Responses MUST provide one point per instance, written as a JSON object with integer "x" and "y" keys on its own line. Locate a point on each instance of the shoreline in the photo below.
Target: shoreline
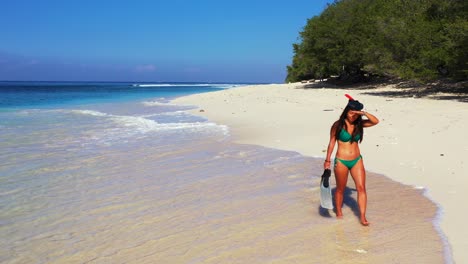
{"x": 422, "y": 133}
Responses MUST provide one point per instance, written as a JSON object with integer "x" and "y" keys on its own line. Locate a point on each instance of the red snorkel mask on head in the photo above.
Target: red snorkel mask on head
{"x": 354, "y": 104}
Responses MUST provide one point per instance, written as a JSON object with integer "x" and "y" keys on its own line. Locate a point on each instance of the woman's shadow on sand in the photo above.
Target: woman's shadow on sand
{"x": 348, "y": 200}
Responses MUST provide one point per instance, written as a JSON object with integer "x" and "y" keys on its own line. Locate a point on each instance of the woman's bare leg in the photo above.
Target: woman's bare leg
{"x": 341, "y": 178}
{"x": 358, "y": 174}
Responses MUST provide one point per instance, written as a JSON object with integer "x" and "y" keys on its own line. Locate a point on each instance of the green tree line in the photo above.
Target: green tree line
{"x": 411, "y": 39}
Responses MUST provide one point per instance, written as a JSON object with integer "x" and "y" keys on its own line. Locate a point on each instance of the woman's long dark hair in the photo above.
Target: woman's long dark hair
{"x": 358, "y": 129}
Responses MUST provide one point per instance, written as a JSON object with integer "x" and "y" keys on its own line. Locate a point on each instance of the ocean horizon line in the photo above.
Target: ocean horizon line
{"x": 144, "y": 82}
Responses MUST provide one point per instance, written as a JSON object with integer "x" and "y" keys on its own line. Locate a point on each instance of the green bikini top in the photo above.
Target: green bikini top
{"x": 346, "y": 137}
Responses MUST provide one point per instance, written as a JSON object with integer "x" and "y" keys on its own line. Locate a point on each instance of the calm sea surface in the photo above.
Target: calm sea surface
{"x": 116, "y": 173}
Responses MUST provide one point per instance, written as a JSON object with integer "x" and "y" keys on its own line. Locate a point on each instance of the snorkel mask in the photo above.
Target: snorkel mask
{"x": 354, "y": 104}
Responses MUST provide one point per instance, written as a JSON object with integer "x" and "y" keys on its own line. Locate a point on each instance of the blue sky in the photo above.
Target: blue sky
{"x": 172, "y": 40}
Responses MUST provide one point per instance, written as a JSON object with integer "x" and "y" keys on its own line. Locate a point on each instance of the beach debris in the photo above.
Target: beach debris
{"x": 328, "y": 110}
{"x": 201, "y": 110}
{"x": 361, "y": 251}
{"x": 441, "y": 154}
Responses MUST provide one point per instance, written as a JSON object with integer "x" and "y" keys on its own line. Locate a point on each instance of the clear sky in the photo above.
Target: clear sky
{"x": 151, "y": 40}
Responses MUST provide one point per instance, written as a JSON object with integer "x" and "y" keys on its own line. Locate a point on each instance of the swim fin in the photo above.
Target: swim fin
{"x": 326, "y": 200}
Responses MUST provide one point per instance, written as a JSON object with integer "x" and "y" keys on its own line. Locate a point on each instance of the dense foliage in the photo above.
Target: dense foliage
{"x": 411, "y": 39}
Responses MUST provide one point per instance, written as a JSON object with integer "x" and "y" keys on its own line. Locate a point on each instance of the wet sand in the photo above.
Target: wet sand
{"x": 207, "y": 201}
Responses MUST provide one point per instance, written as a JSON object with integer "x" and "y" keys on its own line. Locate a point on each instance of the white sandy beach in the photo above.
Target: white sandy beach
{"x": 418, "y": 142}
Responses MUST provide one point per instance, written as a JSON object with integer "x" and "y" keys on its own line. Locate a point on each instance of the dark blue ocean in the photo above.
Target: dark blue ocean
{"x": 56, "y": 94}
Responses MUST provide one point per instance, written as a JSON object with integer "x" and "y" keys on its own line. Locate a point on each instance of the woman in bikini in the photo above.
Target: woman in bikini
{"x": 348, "y": 132}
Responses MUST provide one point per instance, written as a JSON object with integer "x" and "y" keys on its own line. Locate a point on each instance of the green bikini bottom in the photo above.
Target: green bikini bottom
{"x": 348, "y": 163}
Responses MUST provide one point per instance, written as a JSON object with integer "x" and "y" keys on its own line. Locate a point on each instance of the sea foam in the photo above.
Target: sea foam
{"x": 141, "y": 124}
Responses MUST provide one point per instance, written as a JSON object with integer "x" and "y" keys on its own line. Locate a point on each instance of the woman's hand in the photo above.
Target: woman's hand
{"x": 326, "y": 165}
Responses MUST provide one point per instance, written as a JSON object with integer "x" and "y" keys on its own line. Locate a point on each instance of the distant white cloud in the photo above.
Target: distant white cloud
{"x": 145, "y": 68}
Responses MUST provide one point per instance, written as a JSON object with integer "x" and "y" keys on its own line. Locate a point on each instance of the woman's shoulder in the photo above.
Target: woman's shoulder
{"x": 335, "y": 125}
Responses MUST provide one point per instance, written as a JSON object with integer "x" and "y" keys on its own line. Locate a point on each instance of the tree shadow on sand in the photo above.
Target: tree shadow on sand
{"x": 437, "y": 93}
{"x": 440, "y": 90}
{"x": 348, "y": 200}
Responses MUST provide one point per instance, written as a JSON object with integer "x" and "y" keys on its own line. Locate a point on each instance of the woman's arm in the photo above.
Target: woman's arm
{"x": 371, "y": 119}
{"x": 331, "y": 145}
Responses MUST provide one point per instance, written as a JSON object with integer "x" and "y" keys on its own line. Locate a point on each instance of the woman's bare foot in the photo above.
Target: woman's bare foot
{"x": 339, "y": 215}
{"x": 364, "y": 221}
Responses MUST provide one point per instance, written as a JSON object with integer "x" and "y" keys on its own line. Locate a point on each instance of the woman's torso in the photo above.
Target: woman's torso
{"x": 348, "y": 148}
